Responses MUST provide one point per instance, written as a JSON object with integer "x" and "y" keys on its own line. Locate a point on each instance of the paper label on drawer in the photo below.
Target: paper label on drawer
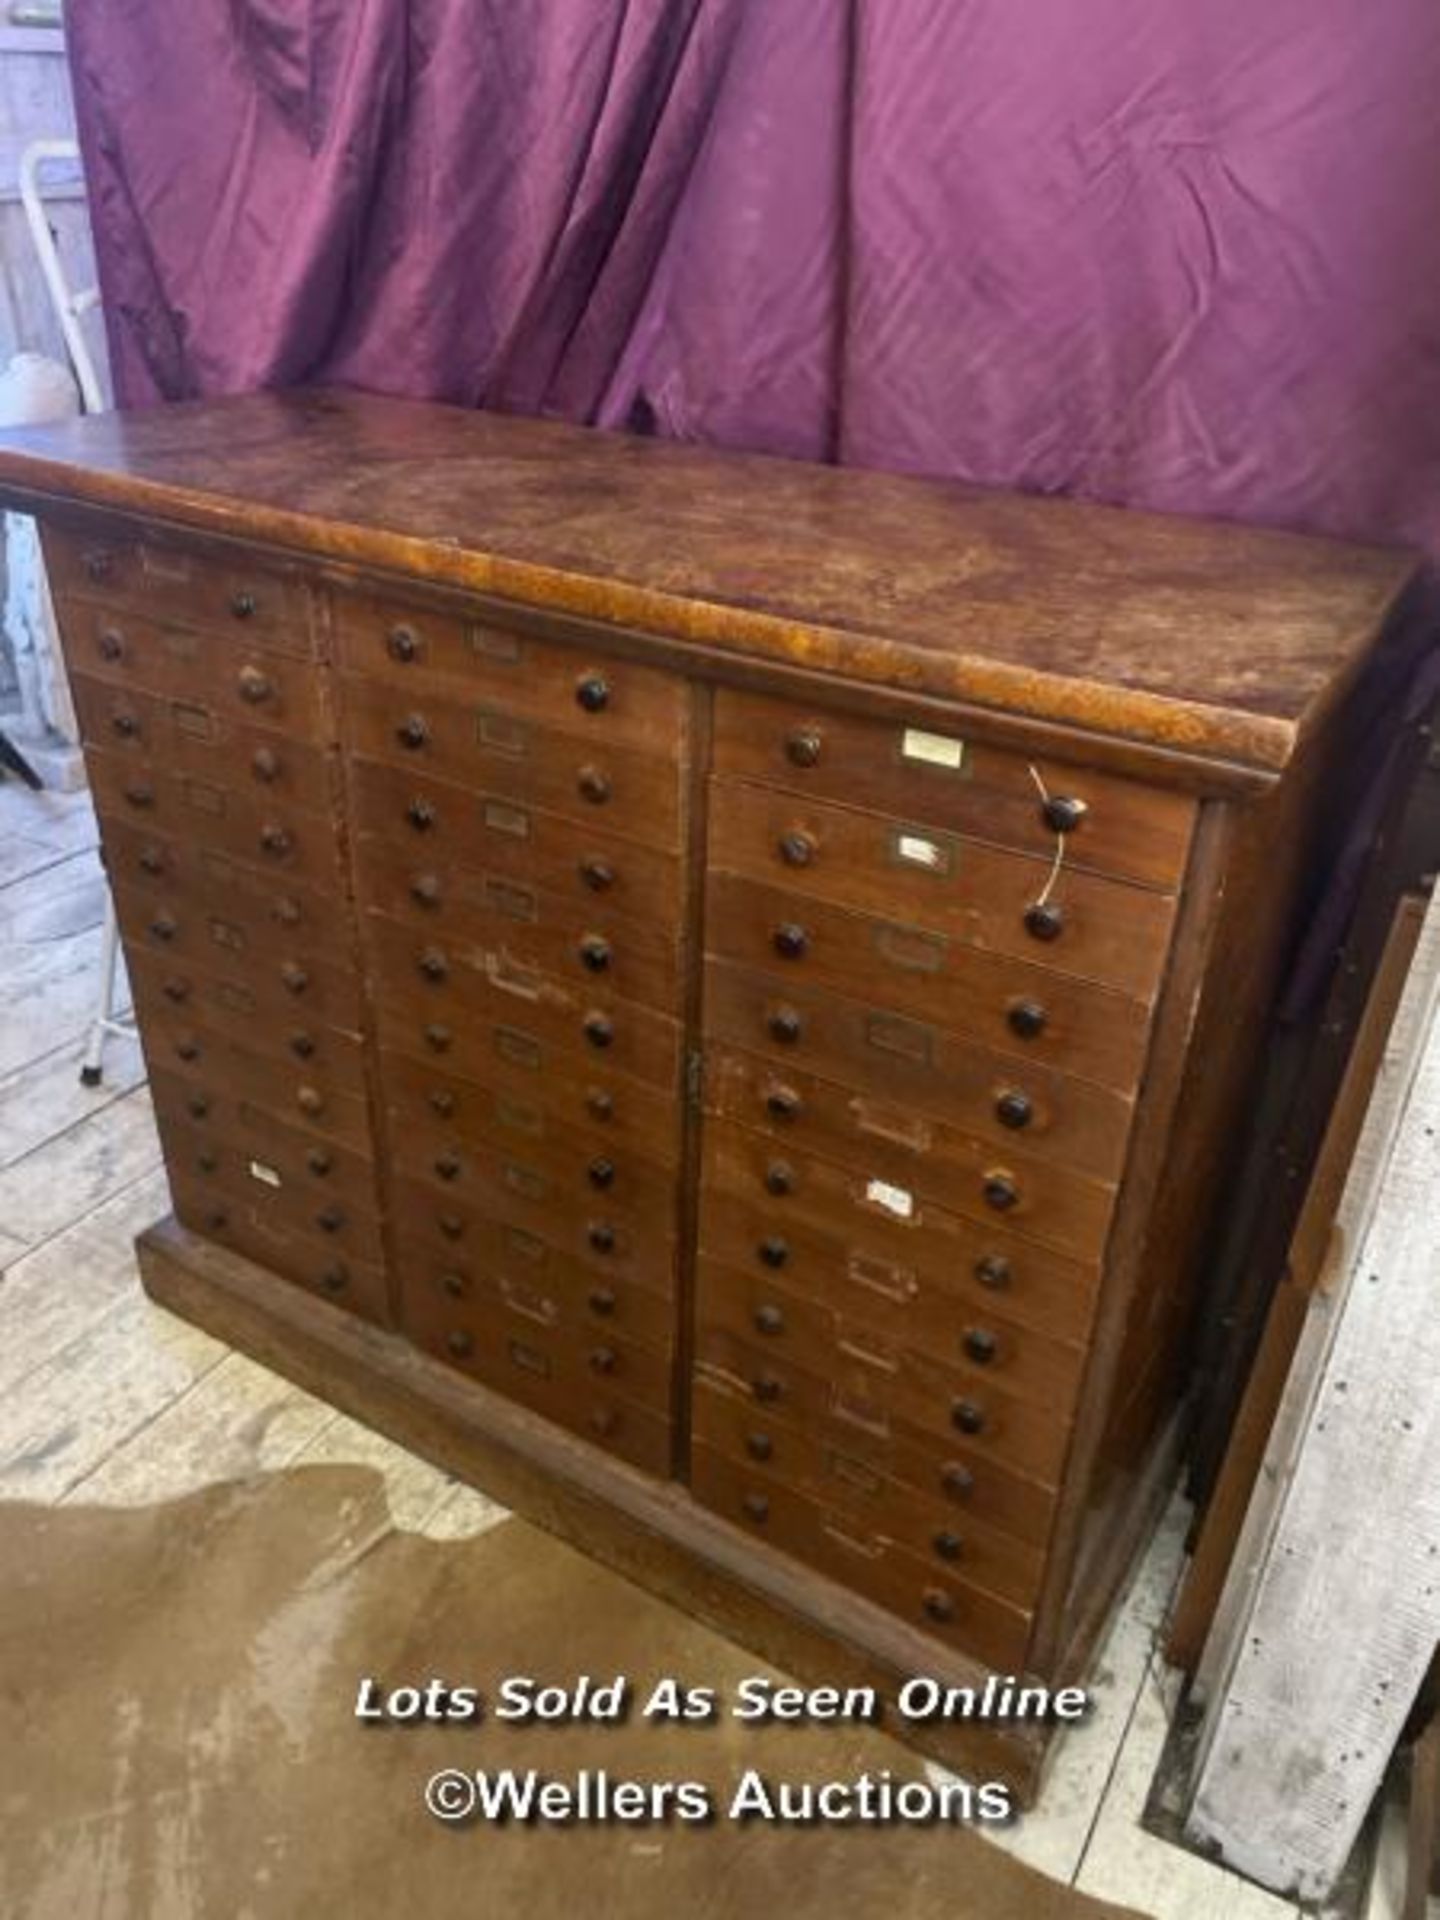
{"x": 918, "y": 851}
{"x": 895, "y": 1200}
{"x": 267, "y": 1175}
{"x": 932, "y": 749}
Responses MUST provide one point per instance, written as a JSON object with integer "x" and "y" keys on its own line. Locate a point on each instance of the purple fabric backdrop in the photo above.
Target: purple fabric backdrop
{"x": 1145, "y": 250}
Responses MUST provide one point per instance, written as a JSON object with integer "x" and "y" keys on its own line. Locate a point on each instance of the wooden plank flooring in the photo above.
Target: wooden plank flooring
{"x": 104, "y": 1397}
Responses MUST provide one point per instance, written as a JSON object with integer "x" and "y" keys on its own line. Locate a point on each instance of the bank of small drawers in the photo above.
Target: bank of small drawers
{"x": 930, "y": 973}
{"x": 207, "y": 736}
{"x": 520, "y": 818}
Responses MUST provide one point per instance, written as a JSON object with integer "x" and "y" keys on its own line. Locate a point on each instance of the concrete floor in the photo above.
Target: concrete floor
{"x": 105, "y": 1398}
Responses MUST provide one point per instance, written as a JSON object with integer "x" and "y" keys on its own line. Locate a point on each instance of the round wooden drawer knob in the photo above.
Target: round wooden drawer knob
{"x": 330, "y": 1219}
{"x": 125, "y": 724}
{"x": 1044, "y": 920}
{"x": 774, "y": 1252}
{"x": 601, "y": 1300}
{"x": 939, "y": 1606}
{"x": 244, "y": 605}
{"x": 797, "y": 848}
{"x": 460, "y": 1344}
{"x": 198, "y": 1106}
{"x": 592, "y": 692}
{"x": 294, "y": 977}
{"x": 981, "y": 1346}
{"x": 1001, "y": 1192}
{"x": 785, "y": 1026}
{"x": 302, "y": 1045}
{"x": 966, "y": 1417}
{"x": 597, "y": 874}
{"x": 336, "y": 1277}
{"x": 602, "y": 1237}
{"x": 802, "y": 747}
{"x": 948, "y": 1545}
{"x": 453, "y": 1284}
{"x": 274, "y": 840}
{"x": 766, "y": 1388}
{"x": 759, "y": 1446}
{"x": 319, "y": 1162}
{"x": 441, "y": 1101}
{"x": 756, "y": 1507}
{"x": 421, "y": 815}
{"x": 1063, "y": 813}
{"x": 604, "y": 1360}
{"x": 265, "y": 764}
{"x": 769, "y": 1320}
{"x": 403, "y": 644}
{"x": 790, "y": 941}
{"x": 413, "y": 731}
{"x": 1014, "y": 1110}
{"x": 255, "y": 687}
{"x": 595, "y": 954}
{"x": 783, "y": 1103}
{"x": 438, "y": 1038}
{"x": 601, "y": 1173}
{"x": 310, "y": 1100}
{"x": 164, "y": 926}
{"x": 1026, "y": 1019}
{"x": 594, "y": 786}
{"x": 779, "y": 1178}
{"x": 957, "y": 1481}
{"x": 993, "y": 1270}
{"x": 447, "y": 1165}
{"x": 599, "y": 1029}
{"x": 599, "y": 1104}
{"x": 425, "y": 890}
{"x": 433, "y": 964}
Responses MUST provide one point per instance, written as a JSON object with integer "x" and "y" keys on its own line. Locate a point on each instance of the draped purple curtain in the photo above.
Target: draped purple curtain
{"x": 1153, "y": 251}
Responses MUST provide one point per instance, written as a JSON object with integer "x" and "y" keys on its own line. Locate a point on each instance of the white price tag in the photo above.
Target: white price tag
{"x": 894, "y": 1200}
{"x": 932, "y": 749}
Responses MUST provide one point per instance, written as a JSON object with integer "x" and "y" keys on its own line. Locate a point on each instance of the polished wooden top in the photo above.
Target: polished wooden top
{"x": 1186, "y": 635}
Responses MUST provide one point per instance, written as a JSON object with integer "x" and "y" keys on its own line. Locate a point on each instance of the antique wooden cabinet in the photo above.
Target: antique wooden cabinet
{"x": 706, "y": 993}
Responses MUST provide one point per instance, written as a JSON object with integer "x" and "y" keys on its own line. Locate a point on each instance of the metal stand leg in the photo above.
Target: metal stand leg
{"x": 104, "y": 1021}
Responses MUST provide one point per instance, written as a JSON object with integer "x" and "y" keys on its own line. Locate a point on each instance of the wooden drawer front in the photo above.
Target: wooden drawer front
{"x": 268, "y": 975}
{"x": 957, "y": 1487}
{"x": 243, "y": 909}
{"x": 227, "y": 675}
{"x": 507, "y": 1267}
{"x": 871, "y": 1273}
{"x": 954, "y": 784}
{"x": 871, "y": 1563}
{"x": 936, "y": 1399}
{"x": 816, "y": 1332}
{"x": 552, "y": 1379}
{"x": 190, "y": 737}
{"x": 173, "y": 583}
{"x": 248, "y": 1007}
{"x": 905, "y": 1063}
{"x": 277, "y": 839}
{"x": 621, "y": 1115}
{"x": 323, "y": 1091}
{"x": 511, "y": 1133}
{"x": 300, "y": 1160}
{"x": 1005, "y": 1004}
{"x": 282, "y": 1196}
{"x": 590, "y": 694}
{"x": 601, "y": 1242}
{"x": 868, "y": 1173}
{"x": 523, "y": 1011}
{"x": 589, "y": 779}
{"x": 471, "y": 838}
{"x": 549, "y": 1168}
{"x": 1108, "y": 930}
{"x": 564, "y": 949}
{"x": 309, "y": 1259}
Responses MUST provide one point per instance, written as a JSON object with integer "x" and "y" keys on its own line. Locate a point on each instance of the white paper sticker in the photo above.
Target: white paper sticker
{"x": 933, "y": 749}
{"x": 919, "y": 851}
{"x": 894, "y": 1199}
{"x": 268, "y": 1175}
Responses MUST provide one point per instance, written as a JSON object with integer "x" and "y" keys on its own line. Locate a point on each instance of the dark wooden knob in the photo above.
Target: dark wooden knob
{"x": 759, "y": 1446}
{"x": 460, "y": 1344}
{"x": 453, "y": 1283}
{"x": 599, "y": 1029}
{"x": 310, "y": 1100}
{"x": 802, "y": 747}
{"x": 127, "y": 725}
{"x": 413, "y": 731}
{"x": 447, "y": 1165}
{"x": 421, "y": 815}
{"x": 948, "y": 1545}
{"x": 785, "y": 1026}
{"x": 601, "y": 1300}
{"x": 187, "y": 1049}
{"x": 779, "y": 1178}
{"x": 756, "y": 1507}
{"x": 797, "y": 848}
{"x": 217, "y": 1219}
{"x": 966, "y": 1417}
{"x": 442, "y": 1101}
{"x": 790, "y": 941}
{"x": 140, "y": 794}
{"x": 957, "y": 1481}
{"x": 274, "y": 840}
{"x": 1044, "y": 920}
{"x": 244, "y": 605}
{"x": 164, "y": 926}
{"x": 319, "y": 1162}
{"x": 766, "y": 1388}
{"x": 939, "y": 1606}
{"x": 438, "y": 1038}
{"x": 981, "y": 1345}
{"x": 1000, "y": 1192}
{"x": 110, "y": 645}
{"x": 254, "y": 686}
{"x": 769, "y": 1319}
{"x": 207, "y": 1161}
{"x": 597, "y": 874}
{"x": 599, "y": 1104}
{"x": 265, "y": 764}
{"x": 1063, "y": 812}
{"x": 592, "y": 692}
{"x": 330, "y": 1219}
{"x": 99, "y": 564}
{"x": 176, "y": 991}
{"x": 336, "y": 1277}
{"x": 425, "y": 890}
{"x": 198, "y": 1106}
{"x": 403, "y": 643}
{"x": 601, "y": 1237}
{"x": 595, "y": 953}
{"x": 286, "y": 913}
{"x": 774, "y": 1251}
{"x": 601, "y": 1173}
{"x": 604, "y": 1360}
{"x": 433, "y": 964}
{"x": 451, "y": 1225}
{"x": 993, "y": 1270}
{"x": 294, "y": 977}
{"x": 594, "y": 786}
{"x": 1026, "y": 1018}
{"x": 302, "y": 1045}
{"x": 604, "y": 1422}
{"x": 1013, "y": 1109}
{"x": 151, "y": 860}
{"x": 783, "y": 1103}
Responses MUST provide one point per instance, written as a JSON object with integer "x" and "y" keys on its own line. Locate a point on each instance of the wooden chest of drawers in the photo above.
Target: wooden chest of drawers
{"x": 709, "y": 994}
